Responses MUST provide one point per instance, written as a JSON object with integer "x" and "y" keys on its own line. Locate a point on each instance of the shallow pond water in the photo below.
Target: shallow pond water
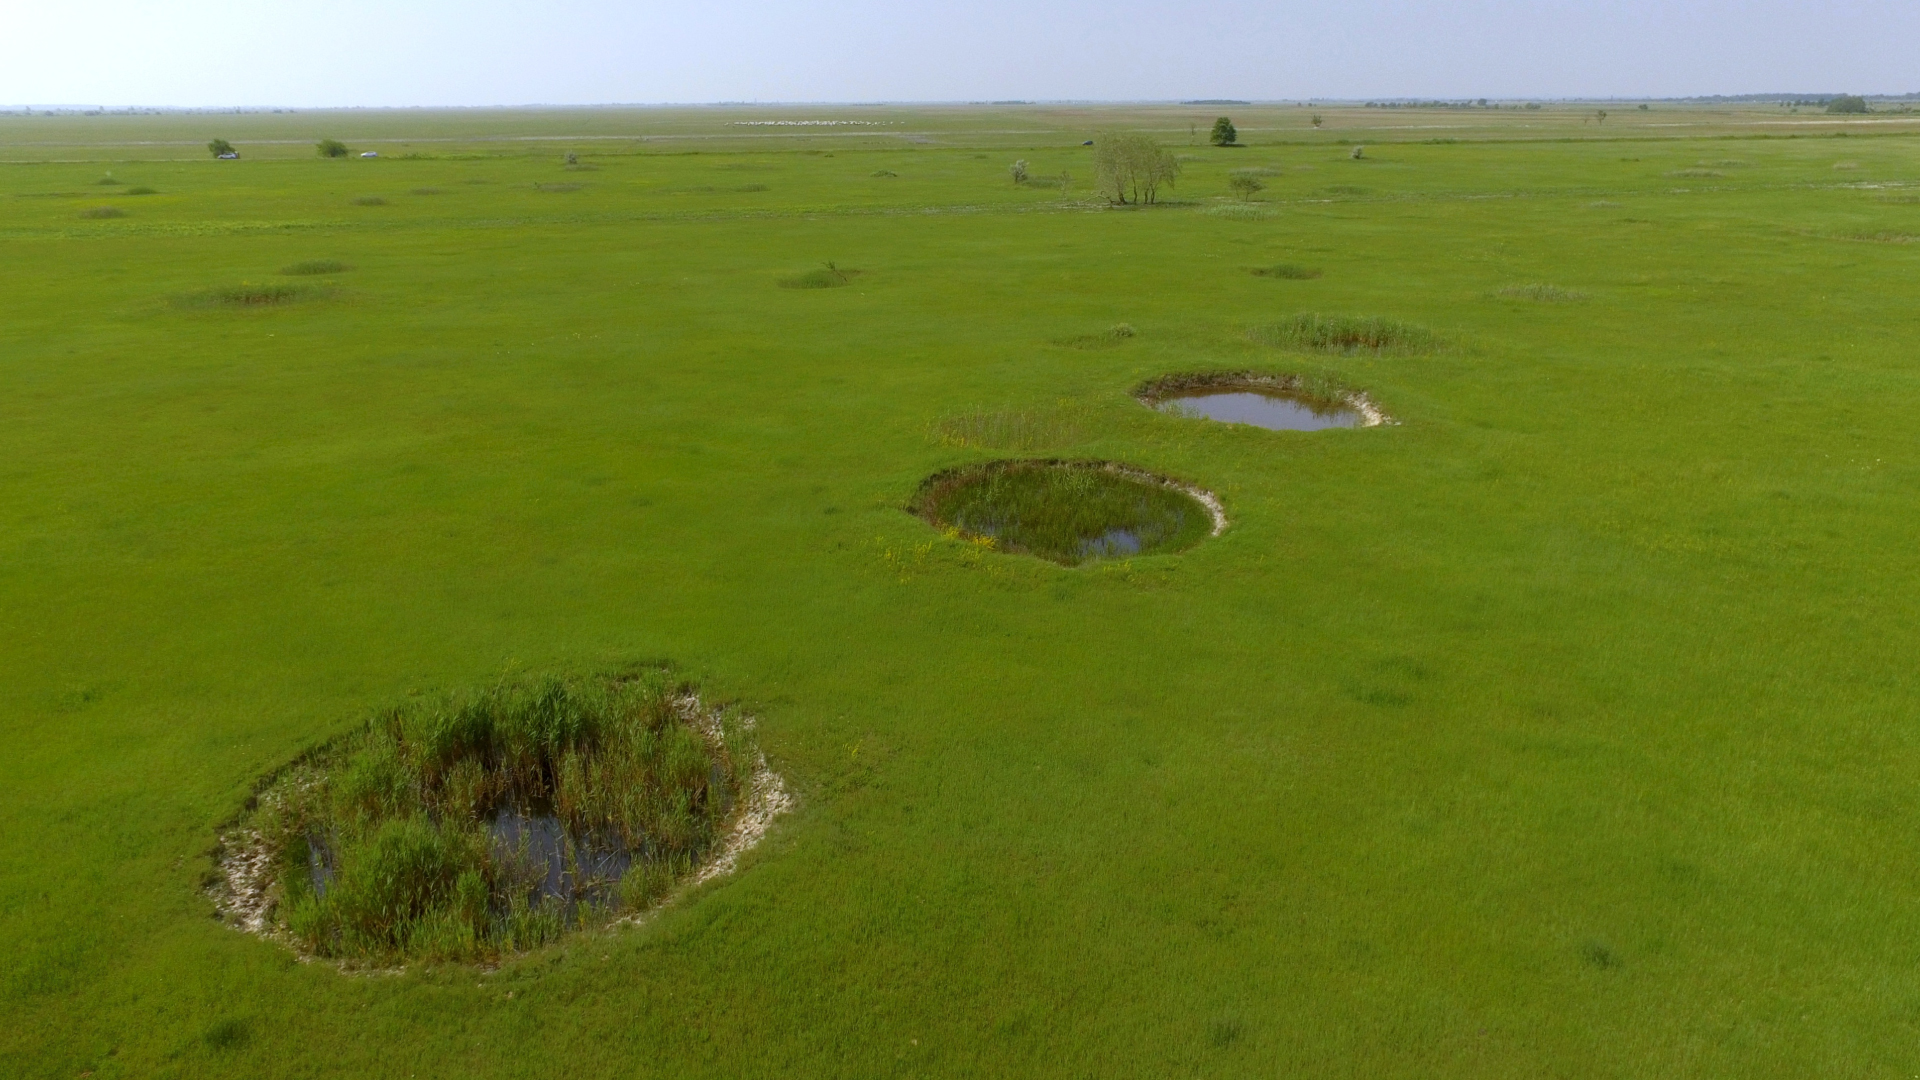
{"x": 1275, "y": 411}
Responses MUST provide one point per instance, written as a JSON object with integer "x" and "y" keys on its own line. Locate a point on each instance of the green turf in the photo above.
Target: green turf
{"x": 1567, "y": 728}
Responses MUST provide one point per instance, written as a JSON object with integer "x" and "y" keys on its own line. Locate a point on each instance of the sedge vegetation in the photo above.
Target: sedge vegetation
{"x": 1566, "y": 727}
{"x": 388, "y": 845}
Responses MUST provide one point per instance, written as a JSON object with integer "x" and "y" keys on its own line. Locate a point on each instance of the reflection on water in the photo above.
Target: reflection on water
{"x": 1279, "y": 412}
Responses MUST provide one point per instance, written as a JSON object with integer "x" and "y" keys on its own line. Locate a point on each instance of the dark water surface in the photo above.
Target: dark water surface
{"x": 1278, "y": 412}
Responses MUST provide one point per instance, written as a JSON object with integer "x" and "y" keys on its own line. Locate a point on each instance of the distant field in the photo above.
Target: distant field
{"x": 1568, "y": 726}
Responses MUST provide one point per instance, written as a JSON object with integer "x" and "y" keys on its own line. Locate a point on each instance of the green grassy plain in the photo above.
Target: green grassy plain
{"x": 1567, "y": 728}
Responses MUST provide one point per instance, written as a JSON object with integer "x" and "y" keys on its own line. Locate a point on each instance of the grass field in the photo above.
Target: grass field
{"x": 1567, "y": 728}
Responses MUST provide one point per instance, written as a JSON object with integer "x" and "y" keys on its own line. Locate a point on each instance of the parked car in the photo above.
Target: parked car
{"x": 231, "y": 155}
{"x": 370, "y": 153}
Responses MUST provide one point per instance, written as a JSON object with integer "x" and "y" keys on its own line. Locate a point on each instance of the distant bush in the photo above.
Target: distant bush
{"x": 1245, "y": 186}
{"x": 1018, "y": 170}
{"x": 315, "y": 266}
{"x": 1345, "y": 334}
{"x": 1847, "y": 104}
{"x": 331, "y": 148}
{"x": 219, "y": 146}
{"x": 103, "y": 212}
{"x": 884, "y": 173}
{"x": 1358, "y": 153}
{"x": 1223, "y": 133}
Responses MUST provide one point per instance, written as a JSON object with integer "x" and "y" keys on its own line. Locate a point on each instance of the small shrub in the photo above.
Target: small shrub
{"x": 426, "y": 191}
{"x": 877, "y": 173}
{"x": 1345, "y": 334}
{"x": 369, "y": 200}
{"x": 312, "y": 267}
{"x": 571, "y": 158}
{"x": 1540, "y": 291}
{"x": 331, "y": 148}
{"x": 1245, "y": 186}
{"x": 219, "y": 146}
{"x": 103, "y": 212}
{"x": 1359, "y": 152}
{"x": 1018, "y": 170}
{"x": 1286, "y": 271}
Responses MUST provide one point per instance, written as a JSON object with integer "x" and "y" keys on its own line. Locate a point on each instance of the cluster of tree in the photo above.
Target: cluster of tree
{"x": 1847, "y": 103}
{"x": 330, "y": 148}
{"x": 1131, "y": 168}
{"x": 220, "y": 148}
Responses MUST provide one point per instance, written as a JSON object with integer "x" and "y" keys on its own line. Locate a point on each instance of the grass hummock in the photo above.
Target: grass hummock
{"x": 826, "y": 277}
{"x": 1541, "y": 291}
{"x": 470, "y": 826}
{"x": 248, "y": 295}
{"x": 1286, "y": 271}
{"x": 1310, "y": 332}
{"x": 99, "y": 212}
{"x": 1068, "y": 512}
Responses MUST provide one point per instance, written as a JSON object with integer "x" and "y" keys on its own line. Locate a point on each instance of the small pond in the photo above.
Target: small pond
{"x": 1068, "y": 512}
{"x": 1270, "y": 409}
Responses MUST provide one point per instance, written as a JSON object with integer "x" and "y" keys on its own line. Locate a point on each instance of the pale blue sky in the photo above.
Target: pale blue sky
{"x": 493, "y": 52}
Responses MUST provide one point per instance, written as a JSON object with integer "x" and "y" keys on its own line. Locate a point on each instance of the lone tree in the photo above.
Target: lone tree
{"x": 1018, "y": 170}
{"x": 1244, "y": 185}
{"x": 1131, "y": 168}
{"x": 1223, "y": 133}
{"x": 330, "y": 148}
{"x": 1847, "y": 103}
{"x": 219, "y": 146}
{"x": 1318, "y": 119}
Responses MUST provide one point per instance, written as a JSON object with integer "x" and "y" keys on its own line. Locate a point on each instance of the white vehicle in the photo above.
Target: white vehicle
{"x": 370, "y": 153}
{"x": 230, "y": 155}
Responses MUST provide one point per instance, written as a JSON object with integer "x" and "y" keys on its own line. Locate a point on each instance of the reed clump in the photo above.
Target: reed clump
{"x": 387, "y": 845}
{"x": 1068, "y": 512}
{"x": 1310, "y": 332}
